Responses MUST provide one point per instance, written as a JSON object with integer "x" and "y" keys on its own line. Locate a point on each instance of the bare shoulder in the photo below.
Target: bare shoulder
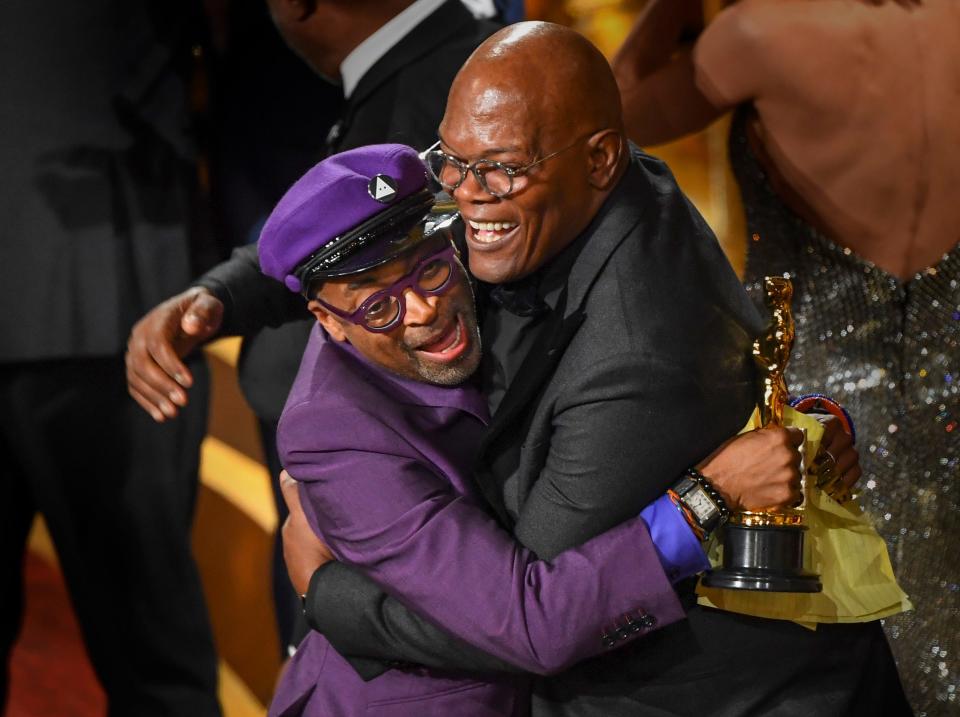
{"x": 777, "y": 25}
{"x": 773, "y": 47}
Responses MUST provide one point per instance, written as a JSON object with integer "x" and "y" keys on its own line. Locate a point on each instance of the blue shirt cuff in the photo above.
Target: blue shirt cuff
{"x": 679, "y": 550}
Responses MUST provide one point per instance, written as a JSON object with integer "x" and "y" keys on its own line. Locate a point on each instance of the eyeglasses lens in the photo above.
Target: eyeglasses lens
{"x": 382, "y": 312}
{"x": 445, "y": 172}
{"x": 450, "y": 173}
{"x": 434, "y": 275}
{"x": 431, "y": 277}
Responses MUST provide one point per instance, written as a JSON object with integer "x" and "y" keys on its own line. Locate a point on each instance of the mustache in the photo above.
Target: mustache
{"x": 414, "y": 338}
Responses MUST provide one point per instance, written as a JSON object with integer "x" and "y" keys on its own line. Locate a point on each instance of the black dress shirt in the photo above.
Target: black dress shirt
{"x": 514, "y": 318}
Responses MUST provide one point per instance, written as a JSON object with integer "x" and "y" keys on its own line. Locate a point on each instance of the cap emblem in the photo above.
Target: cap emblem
{"x": 382, "y": 188}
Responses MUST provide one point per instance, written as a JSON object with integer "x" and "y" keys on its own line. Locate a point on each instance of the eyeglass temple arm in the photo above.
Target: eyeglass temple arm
{"x": 423, "y": 155}
{"x": 444, "y": 204}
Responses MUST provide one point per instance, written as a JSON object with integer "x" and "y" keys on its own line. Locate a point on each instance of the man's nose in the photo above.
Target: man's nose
{"x": 421, "y": 310}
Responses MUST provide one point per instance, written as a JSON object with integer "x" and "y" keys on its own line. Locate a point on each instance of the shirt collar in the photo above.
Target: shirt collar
{"x": 553, "y": 277}
{"x": 465, "y": 396}
{"x": 539, "y": 292}
{"x": 367, "y": 53}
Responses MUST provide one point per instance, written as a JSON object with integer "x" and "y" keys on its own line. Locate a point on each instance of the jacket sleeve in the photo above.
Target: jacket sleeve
{"x": 381, "y": 508}
{"x": 374, "y": 631}
{"x": 251, "y": 300}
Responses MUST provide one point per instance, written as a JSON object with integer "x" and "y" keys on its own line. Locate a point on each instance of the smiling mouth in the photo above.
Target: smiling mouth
{"x": 449, "y": 346}
{"x": 490, "y": 232}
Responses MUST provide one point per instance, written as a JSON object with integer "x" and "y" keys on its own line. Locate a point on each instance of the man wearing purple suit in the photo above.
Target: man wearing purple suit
{"x": 380, "y": 431}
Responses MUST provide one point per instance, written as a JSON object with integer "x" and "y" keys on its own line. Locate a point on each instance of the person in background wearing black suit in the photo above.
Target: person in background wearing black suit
{"x": 617, "y": 355}
{"x": 269, "y": 115}
{"x": 395, "y": 60}
{"x": 95, "y": 227}
{"x": 395, "y": 84}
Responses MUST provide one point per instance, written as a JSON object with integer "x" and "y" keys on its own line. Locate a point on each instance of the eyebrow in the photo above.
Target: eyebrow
{"x": 361, "y": 281}
{"x": 373, "y": 278}
{"x": 487, "y": 152}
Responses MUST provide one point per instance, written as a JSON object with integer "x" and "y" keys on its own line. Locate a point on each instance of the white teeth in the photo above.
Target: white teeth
{"x": 492, "y": 226}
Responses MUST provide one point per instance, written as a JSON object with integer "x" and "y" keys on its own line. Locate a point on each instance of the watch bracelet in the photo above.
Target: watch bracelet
{"x": 715, "y": 496}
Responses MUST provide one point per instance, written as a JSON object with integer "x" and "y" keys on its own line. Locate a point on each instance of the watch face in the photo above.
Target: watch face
{"x": 699, "y": 502}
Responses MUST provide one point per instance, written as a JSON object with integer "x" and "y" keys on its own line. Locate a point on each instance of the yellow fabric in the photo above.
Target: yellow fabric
{"x": 840, "y": 545}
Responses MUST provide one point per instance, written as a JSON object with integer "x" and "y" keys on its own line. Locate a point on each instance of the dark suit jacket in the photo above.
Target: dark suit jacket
{"x": 400, "y": 99}
{"x": 645, "y": 369}
{"x": 95, "y": 153}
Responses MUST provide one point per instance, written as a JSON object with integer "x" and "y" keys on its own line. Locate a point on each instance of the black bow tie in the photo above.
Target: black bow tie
{"x": 519, "y": 299}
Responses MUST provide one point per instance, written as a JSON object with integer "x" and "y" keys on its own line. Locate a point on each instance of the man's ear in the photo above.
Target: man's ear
{"x": 606, "y": 149}
{"x": 328, "y": 321}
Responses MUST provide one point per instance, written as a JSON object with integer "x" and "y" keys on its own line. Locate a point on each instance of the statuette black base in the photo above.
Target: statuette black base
{"x": 768, "y": 558}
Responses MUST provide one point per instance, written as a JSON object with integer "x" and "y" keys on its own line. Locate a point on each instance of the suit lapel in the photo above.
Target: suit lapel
{"x": 536, "y": 368}
{"x": 444, "y": 22}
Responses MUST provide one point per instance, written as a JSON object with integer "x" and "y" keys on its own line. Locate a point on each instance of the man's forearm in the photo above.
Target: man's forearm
{"x": 251, "y": 300}
{"x": 655, "y": 37}
{"x": 362, "y": 621}
{"x": 375, "y": 631}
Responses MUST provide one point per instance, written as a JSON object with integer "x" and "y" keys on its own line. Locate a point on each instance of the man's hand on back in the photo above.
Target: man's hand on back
{"x": 303, "y": 551}
{"x": 156, "y": 377}
{"x": 757, "y": 470}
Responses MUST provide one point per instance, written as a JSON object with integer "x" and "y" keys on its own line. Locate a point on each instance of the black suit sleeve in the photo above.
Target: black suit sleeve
{"x": 375, "y": 631}
{"x": 251, "y": 300}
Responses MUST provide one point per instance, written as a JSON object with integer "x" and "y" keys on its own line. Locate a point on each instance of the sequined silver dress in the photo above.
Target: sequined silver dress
{"x": 890, "y": 352}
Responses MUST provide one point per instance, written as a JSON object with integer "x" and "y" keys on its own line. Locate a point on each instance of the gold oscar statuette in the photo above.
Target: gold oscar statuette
{"x": 763, "y": 550}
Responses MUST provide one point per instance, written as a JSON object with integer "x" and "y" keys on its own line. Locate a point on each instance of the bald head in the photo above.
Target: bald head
{"x": 552, "y": 72}
{"x": 541, "y": 100}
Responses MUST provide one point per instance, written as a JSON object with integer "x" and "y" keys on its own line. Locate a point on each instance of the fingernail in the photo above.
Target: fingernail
{"x": 167, "y": 409}
{"x": 181, "y": 379}
{"x": 177, "y": 397}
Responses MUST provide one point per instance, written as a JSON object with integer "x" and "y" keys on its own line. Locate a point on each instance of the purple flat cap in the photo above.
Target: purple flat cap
{"x": 351, "y": 212}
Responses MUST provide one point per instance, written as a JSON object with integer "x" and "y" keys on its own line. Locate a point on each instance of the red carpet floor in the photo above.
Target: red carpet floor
{"x": 50, "y": 673}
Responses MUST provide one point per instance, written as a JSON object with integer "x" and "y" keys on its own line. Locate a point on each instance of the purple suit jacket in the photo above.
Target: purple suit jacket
{"x": 384, "y": 470}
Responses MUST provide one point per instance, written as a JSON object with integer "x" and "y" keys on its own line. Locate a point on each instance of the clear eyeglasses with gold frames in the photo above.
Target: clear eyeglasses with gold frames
{"x": 494, "y": 177}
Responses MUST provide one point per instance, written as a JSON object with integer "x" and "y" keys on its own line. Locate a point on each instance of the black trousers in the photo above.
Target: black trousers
{"x": 117, "y": 492}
